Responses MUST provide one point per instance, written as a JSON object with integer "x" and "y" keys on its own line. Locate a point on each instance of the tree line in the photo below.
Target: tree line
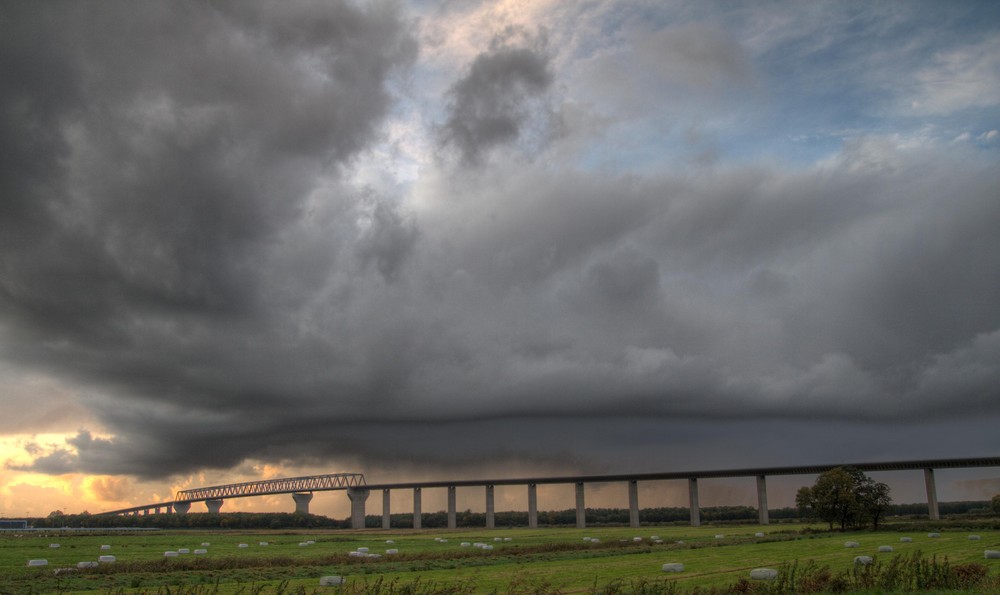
{"x": 227, "y": 520}
{"x": 466, "y": 519}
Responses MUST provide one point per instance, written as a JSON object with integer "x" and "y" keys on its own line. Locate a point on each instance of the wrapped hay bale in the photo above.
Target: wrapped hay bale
{"x": 763, "y": 574}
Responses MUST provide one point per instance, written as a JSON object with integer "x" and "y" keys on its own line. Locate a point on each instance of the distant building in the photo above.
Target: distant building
{"x": 13, "y": 524}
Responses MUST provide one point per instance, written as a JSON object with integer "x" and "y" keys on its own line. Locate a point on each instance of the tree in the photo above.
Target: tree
{"x": 995, "y": 504}
{"x": 844, "y": 496}
{"x": 874, "y": 499}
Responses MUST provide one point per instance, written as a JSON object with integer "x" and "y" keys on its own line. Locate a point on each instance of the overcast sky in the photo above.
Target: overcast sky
{"x": 449, "y": 239}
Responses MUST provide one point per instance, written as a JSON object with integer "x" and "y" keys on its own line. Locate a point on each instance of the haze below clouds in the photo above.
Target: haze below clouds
{"x": 412, "y": 238}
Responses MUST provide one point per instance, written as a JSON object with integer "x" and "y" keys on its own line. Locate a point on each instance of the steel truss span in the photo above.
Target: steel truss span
{"x": 287, "y": 485}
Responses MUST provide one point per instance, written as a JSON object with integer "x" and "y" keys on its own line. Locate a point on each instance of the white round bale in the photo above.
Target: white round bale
{"x": 205, "y": 544}
{"x": 184, "y": 550}
{"x": 932, "y": 535}
{"x": 464, "y": 544}
{"x": 863, "y": 560}
{"x": 106, "y": 559}
{"x": 906, "y": 539}
{"x": 39, "y": 562}
{"x": 673, "y": 567}
{"x": 884, "y": 548}
{"x": 331, "y": 581}
{"x": 758, "y": 534}
{"x": 487, "y": 547}
{"x": 389, "y": 541}
{"x": 200, "y": 552}
{"x": 508, "y": 539}
{"x": 392, "y": 551}
{"x": 763, "y": 574}
{"x": 992, "y": 554}
{"x": 170, "y": 554}
{"x": 87, "y": 564}
{"x": 263, "y": 544}
{"x": 851, "y": 544}
{"x": 242, "y": 545}
{"x": 56, "y": 545}
{"x": 720, "y": 536}
{"x": 974, "y": 538}
{"x": 654, "y": 537}
{"x": 105, "y": 547}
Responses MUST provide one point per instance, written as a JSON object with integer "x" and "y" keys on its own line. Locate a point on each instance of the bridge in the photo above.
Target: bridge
{"x": 301, "y": 489}
{"x": 358, "y": 491}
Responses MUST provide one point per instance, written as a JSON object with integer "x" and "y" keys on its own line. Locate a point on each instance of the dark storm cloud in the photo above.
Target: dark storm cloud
{"x": 181, "y": 244}
{"x": 492, "y": 103}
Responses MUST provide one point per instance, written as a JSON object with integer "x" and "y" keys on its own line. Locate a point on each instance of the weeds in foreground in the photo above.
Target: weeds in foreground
{"x": 901, "y": 574}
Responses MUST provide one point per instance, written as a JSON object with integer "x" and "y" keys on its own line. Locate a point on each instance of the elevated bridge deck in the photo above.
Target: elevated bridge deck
{"x": 358, "y": 491}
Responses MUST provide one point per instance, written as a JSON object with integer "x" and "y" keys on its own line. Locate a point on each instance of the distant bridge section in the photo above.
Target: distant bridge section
{"x": 286, "y": 485}
{"x": 301, "y": 489}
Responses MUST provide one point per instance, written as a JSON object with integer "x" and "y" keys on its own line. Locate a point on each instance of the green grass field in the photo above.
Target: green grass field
{"x": 522, "y": 560}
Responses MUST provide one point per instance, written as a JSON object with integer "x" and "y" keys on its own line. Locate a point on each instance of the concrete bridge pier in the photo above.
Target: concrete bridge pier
{"x": 182, "y": 507}
{"x": 386, "y": 510}
{"x": 452, "y": 514}
{"x": 532, "y": 506}
{"x": 302, "y": 500}
{"x": 932, "y": 502}
{"x": 581, "y": 510}
{"x": 693, "y": 498}
{"x": 358, "y": 497}
{"x": 762, "y": 515}
{"x": 633, "y": 503}
{"x": 417, "y": 511}
{"x": 490, "y": 510}
{"x": 214, "y": 505}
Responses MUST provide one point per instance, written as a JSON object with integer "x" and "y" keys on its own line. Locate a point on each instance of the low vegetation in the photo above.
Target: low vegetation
{"x": 717, "y": 559}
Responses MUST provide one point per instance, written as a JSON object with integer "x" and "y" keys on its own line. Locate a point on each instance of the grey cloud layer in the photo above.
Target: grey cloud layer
{"x": 178, "y": 238}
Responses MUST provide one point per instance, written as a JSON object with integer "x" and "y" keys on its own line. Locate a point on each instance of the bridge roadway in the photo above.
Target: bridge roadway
{"x": 358, "y": 491}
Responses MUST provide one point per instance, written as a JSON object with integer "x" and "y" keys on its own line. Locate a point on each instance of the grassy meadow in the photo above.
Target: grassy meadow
{"x": 522, "y": 560}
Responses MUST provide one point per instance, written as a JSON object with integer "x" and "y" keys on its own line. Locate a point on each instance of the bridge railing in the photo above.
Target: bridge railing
{"x": 332, "y": 481}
